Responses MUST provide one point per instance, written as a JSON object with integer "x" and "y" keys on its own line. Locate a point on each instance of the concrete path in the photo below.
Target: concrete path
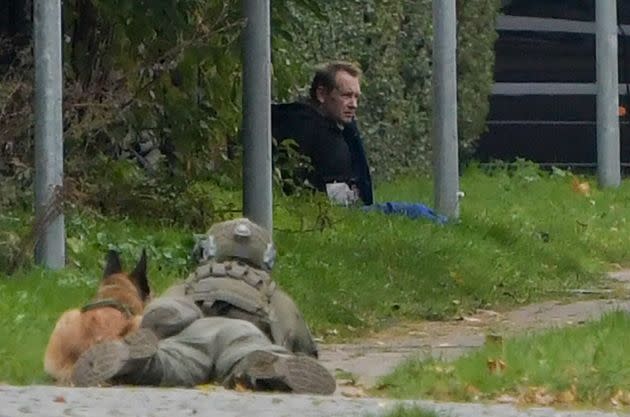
{"x": 48, "y": 401}
{"x": 368, "y": 359}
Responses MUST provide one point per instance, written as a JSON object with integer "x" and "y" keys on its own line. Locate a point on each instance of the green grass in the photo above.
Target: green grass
{"x": 523, "y": 236}
{"x": 410, "y": 411}
{"x": 587, "y": 365}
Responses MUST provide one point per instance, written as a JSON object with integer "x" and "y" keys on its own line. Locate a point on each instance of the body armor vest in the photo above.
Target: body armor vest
{"x": 232, "y": 289}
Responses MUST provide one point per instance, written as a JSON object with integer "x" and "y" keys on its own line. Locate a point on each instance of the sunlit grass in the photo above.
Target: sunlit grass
{"x": 523, "y": 236}
{"x": 410, "y": 411}
{"x": 587, "y": 365}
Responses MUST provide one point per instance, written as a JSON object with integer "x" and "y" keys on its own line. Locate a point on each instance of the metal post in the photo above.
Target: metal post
{"x": 445, "y": 144}
{"x": 50, "y": 248}
{"x": 608, "y": 153}
{"x": 257, "y": 190}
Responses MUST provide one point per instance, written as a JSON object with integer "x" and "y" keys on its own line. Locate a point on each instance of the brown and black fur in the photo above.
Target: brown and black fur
{"x": 79, "y": 329}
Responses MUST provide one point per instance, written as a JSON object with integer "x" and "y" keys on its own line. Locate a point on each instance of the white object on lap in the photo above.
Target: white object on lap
{"x": 340, "y": 193}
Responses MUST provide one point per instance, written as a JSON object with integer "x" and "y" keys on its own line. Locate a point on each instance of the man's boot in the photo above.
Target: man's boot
{"x": 268, "y": 371}
{"x": 105, "y": 361}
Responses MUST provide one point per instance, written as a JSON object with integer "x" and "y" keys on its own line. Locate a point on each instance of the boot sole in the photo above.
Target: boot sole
{"x": 102, "y": 362}
{"x": 298, "y": 374}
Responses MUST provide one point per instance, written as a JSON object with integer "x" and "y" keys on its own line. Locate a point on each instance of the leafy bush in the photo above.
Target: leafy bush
{"x": 476, "y": 35}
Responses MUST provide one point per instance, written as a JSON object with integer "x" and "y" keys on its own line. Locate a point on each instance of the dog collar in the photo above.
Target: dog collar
{"x": 108, "y": 302}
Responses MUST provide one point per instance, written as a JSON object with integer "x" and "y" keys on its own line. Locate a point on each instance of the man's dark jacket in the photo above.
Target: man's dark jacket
{"x": 337, "y": 154}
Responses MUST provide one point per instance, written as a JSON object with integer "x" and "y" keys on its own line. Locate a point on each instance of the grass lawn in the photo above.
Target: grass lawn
{"x": 587, "y": 365}
{"x": 524, "y": 235}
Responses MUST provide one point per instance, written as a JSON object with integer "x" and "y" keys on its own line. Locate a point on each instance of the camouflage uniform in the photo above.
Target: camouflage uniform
{"x": 227, "y": 322}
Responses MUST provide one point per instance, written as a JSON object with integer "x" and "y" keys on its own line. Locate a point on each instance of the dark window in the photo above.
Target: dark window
{"x": 555, "y": 9}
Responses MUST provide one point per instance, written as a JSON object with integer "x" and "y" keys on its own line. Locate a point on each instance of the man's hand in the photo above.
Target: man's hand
{"x": 356, "y": 191}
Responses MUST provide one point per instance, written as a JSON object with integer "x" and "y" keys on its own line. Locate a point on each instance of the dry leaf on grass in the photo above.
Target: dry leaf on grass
{"x": 567, "y": 397}
{"x": 496, "y": 366}
{"x": 506, "y": 399}
{"x": 241, "y": 388}
{"x": 581, "y": 187}
{"x": 620, "y": 398}
{"x": 353, "y": 392}
{"x": 538, "y": 396}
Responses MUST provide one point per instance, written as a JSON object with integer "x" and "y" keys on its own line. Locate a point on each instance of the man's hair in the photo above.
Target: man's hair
{"x": 325, "y": 76}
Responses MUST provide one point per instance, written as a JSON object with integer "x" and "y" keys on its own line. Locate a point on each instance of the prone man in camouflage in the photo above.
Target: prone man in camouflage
{"x": 228, "y": 322}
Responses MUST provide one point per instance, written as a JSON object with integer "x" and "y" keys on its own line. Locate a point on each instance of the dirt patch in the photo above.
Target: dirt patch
{"x": 362, "y": 362}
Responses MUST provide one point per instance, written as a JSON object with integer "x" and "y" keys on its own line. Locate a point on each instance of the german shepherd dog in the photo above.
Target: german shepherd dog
{"x": 115, "y": 311}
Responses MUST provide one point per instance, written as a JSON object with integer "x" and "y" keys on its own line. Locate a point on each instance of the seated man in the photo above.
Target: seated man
{"x": 324, "y": 127}
{"x": 227, "y": 323}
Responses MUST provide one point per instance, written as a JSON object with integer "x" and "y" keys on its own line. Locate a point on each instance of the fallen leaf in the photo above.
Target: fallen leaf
{"x": 59, "y": 399}
{"x": 496, "y": 366}
{"x": 472, "y": 319}
{"x": 241, "y": 388}
{"x": 581, "y": 187}
{"x": 568, "y": 397}
{"x": 544, "y": 398}
{"x": 621, "y": 397}
{"x": 353, "y": 392}
{"x": 538, "y": 396}
{"x": 507, "y": 399}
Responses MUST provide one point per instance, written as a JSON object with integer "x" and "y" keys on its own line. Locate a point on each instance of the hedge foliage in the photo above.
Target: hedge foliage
{"x": 167, "y": 73}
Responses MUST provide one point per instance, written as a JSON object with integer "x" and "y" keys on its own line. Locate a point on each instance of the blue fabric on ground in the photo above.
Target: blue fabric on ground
{"x": 411, "y": 210}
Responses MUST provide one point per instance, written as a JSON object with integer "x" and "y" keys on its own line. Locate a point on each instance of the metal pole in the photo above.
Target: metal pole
{"x": 257, "y": 191}
{"x": 50, "y": 248}
{"x": 608, "y": 153}
{"x": 445, "y": 145}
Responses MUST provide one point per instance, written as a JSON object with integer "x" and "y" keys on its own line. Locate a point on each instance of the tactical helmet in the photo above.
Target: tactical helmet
{"x": 241, "y": 239}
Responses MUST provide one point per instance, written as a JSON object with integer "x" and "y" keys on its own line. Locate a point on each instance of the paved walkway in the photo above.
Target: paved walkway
{"x": 48, "y": 401}
{"x": 370, "y": 358}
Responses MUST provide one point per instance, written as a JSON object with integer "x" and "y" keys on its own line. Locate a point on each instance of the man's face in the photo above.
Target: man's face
{"x": 340, "y": 104}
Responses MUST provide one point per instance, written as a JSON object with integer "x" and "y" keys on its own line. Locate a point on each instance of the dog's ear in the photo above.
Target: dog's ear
{"x": 139, "y": 275}
{"x": 112, "y": 264}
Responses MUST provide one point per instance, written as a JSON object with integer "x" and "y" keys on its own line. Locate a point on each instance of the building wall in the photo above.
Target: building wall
{"x": 543, "y": 102}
